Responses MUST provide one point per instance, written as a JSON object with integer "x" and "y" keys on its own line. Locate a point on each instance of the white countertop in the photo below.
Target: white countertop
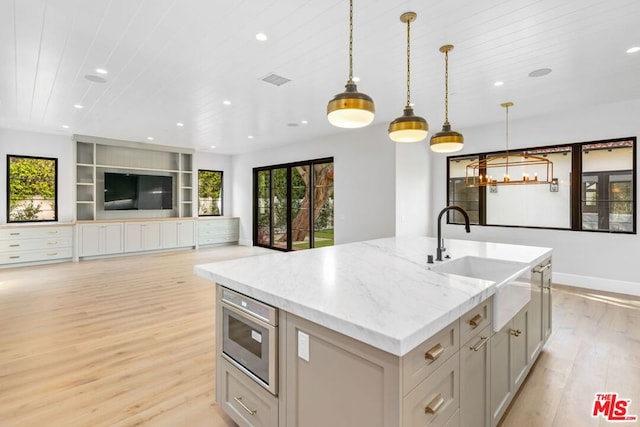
{"x": 380, "y": 292}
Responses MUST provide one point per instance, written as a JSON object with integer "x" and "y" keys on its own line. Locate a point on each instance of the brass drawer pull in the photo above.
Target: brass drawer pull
{"x": 238, "y": 399}
{"x": 434, "y": 405}
{"x": 435, "y": 352}
{"x": 14, "y": 234}
{"x": 14, "y": 246}
{"x": 52, "y": 253}
{"x": 476, "y": 320}
{"x": 515, "y": 332}
{"x": 53, "y": 232}
{"x": 14, "y": 257}
{"x": 481, "y": 343}
{"x": 52, "y": 243}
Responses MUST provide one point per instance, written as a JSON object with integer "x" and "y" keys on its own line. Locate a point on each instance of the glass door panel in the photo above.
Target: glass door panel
{"x": 300, "y": 202}
{"x": 279, "y": 212}
{"x": 263, "y": 208}
{"x": 323, "y": 205}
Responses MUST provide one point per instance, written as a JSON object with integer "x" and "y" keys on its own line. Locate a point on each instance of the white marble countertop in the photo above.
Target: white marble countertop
{"x": 380, "y": 292}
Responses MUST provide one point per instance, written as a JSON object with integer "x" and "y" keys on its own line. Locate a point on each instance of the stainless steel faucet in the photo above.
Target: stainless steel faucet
{"x": 441, "y": 247}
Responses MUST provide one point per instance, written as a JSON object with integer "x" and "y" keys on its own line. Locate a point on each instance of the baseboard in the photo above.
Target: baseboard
{"x": 245, "y": 242}
{"x": 597, "y": 283}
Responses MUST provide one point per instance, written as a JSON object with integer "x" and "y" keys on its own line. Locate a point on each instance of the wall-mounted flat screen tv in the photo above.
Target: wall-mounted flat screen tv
{"x": 131, "y": 191}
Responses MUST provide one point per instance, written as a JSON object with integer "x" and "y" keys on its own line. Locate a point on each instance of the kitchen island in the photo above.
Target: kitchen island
{"x": 369, "y": 331}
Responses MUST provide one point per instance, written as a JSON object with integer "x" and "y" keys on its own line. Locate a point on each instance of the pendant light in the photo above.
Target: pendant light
{"x": 447, "y": 140}
{"x": 350, "y": 109}
{"x": 534, "y": 169}
{"x": 408, "y": 127}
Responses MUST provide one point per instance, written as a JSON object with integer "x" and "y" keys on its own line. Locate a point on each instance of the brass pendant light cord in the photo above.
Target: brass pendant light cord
{"x": 350, "y": 41}
{"x": 507, "y": 139}
{"x": 408, "y": 63}
{"x": 446, "y": 88}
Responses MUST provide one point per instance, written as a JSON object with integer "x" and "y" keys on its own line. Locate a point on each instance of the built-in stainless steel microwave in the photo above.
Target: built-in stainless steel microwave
{"x": 250, "y": 337}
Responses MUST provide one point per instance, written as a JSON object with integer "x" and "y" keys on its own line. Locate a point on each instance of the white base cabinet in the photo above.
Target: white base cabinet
{"x": 100, "y": 239}
{"x": 35, "y": 244}
{"x": 110, "y": 238}
{"x": 178, "y": 234}
{"x": 219, "y": 230}
{"x": 142, "y": 236}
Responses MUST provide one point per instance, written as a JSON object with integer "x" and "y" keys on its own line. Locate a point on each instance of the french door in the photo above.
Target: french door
{"x": 293, "y": 205}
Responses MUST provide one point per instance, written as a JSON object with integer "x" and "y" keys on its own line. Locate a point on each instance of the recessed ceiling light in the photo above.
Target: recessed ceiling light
{"x": 213, "y": 146}
{"x": 65, "y": 126}
{"x": 633, "y": 49}
{"x": 179, "y": 124}
{"x": 101, "y": 71}
{"x": 261, "y": 37}
{"x": 150, "y": 138}
{"x": 78, "y": 106}
{"x": 356, "y": 79}
{"x": 304, "y": 122}
{"x": 498, "y": 83}
{"x": 540, "y": 72}
{"x": 95, "y": 79}
{"x": 225, "y": 102}
{"x": 250, "y": 137}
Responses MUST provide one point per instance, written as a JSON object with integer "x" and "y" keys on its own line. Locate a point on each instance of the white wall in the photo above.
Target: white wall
{"x": 364, "y": 181}
{"x": 217, "y": 162}
{"x": 412, "y": 188}
{"x": 594, "y": 260}
{"x": 40, "y": 145}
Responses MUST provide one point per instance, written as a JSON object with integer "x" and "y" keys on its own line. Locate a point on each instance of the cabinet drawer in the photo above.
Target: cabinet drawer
{"x": 423, "y": 360}
{"x": 19, "y": 233}
{"x": 475, "y": 320}
{"x": 33, "y": 256}
{"x": 436, "y": 399}
{"x": 34, "y": 244}
{"x": 218, "y": 226}
{"x": 210, "y": 240}
{"x": 244, "y": 400}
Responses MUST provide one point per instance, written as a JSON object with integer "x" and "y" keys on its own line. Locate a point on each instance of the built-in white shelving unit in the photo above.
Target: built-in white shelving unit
{"x": 95, "y": 156}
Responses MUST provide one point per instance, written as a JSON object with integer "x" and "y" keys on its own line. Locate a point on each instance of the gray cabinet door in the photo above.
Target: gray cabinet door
{"x": 336, "y": 381}
{"x": 500, "y": 373}
{"x": 519, "y": 359}
{"x": 475, "y": 361}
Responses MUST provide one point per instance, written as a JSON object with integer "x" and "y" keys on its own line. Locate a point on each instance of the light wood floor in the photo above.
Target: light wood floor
{"x": 130, "y": 341}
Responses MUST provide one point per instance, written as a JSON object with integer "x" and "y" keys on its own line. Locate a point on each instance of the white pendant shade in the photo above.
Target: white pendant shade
{"x": 408, "y": 135}
{"x": 447, "y": 147}
{"x": 350, "y": 118}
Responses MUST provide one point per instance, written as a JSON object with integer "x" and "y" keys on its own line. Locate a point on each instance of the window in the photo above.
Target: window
{"x": 32, "y": 184}
{"x": 293, "y": 205}
{"x": 209, "y": 193}
{"x": 594, "y": 192}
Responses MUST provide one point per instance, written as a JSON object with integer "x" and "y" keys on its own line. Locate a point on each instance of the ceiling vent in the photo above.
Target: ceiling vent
{"x": 275, "y": 79}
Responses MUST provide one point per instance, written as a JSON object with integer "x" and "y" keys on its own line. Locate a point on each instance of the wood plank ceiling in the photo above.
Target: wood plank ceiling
{"x": 172, "y": 61}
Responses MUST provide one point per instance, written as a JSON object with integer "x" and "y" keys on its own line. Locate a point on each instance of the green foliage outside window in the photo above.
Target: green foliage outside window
{"x": 209, "y": 193}
{"x": 31, "y": 189}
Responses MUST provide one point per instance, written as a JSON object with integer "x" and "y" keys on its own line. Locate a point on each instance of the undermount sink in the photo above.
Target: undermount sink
{"x": 511, "y": 294}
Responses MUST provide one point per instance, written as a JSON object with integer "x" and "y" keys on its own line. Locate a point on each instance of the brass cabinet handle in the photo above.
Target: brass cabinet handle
{"x": 14, "y": 257}
{"x": 52, "y": 243}
{"x": 476, "y": 320}
{"x": 52, "y": 253}
{"x": 14, "y": 234}
{"x": 541, "y": 268}
{"x": 515, "y": 332}
{"x": 435, "y": 352}
{"x": 14, "y": 246}
{"x": 481, "y": 343}
{"x": 434, "y": 405}
{"x": 238, "y": 399}
{"x": 53, "y": 232}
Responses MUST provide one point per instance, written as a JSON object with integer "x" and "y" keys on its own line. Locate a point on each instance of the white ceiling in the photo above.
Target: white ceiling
{"x": 174, "y": 61}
